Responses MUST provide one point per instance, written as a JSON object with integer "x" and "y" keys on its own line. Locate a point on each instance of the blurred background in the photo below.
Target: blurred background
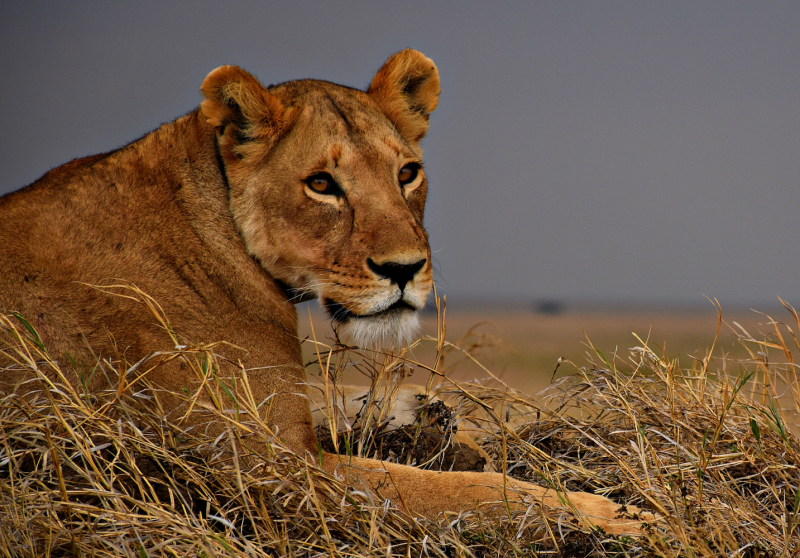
{"x": 588, "y": 160}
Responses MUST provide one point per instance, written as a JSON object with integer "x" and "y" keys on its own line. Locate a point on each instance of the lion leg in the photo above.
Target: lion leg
{"x": 429, "y": 493}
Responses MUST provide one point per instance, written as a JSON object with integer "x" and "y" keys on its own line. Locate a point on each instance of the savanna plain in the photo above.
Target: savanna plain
{"x": 527, "y": 347}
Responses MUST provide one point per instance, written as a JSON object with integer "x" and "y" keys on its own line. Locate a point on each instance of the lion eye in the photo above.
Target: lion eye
{"x": 408, "y": 173}
{"x": 323, "y": 183}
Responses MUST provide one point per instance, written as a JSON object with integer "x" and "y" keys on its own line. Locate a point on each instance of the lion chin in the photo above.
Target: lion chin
{"x": 391, "y": 329}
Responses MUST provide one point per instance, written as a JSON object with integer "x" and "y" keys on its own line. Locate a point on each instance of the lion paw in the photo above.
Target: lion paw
{"x": 613, "y": 518}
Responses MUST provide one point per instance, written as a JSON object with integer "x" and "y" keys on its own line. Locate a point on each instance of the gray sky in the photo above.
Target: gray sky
{"x": 600, "y": 151}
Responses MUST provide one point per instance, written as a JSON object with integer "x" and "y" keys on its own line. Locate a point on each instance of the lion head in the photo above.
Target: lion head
{"x": 327, "y": 189}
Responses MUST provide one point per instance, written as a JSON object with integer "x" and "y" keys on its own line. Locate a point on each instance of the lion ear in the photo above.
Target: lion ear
{"x": 241, "y": 108}
{"x": 407, "y": 90}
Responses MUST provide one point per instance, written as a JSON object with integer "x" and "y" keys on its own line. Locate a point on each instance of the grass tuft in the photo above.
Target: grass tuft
{"x": 712, "y": 449}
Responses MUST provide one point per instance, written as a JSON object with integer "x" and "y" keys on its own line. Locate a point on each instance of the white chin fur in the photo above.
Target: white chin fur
{"x": 390, "y": 330}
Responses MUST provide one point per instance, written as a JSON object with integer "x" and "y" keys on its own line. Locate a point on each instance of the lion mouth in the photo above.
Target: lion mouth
{"x": 340, "y": 314}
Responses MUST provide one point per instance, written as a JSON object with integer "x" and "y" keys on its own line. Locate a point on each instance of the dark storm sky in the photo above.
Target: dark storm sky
{"x": 613, "y": 151}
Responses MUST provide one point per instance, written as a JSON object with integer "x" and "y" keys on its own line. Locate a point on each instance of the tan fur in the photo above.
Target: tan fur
{"x": 210, "y": 215}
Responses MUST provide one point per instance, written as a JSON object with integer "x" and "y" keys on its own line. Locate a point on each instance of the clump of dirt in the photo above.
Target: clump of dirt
{"x": 429, "y": 442}
{"x": 428, "y": 447}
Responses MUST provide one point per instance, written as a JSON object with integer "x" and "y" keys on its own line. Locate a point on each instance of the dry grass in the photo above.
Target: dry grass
{"x": 97, "y": 474}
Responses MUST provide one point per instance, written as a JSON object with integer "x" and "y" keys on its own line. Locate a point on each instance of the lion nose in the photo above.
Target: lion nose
{"x": 397, "y": 272}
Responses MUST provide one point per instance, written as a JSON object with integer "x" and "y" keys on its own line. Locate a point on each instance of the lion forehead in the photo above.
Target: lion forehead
{"x": 342, "y": 112}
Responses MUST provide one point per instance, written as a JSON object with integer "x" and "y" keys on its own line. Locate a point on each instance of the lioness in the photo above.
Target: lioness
{"x": 259, "y": 198}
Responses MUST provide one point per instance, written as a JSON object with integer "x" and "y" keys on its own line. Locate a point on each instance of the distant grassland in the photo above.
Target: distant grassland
{"x": 523, "y": 347}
